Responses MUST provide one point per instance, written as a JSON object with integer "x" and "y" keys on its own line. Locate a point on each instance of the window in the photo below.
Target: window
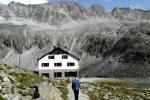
{"x": 51, "y": 57}
{"x": 45, "y": 74}
{"x": 64, "y": 56}
{"x": 45, "y": 64}
{"x": 57, "y": 74}
{"x": 57, "y": 64}
{"x": 71, "y": 74}
{"x": 71, "y": 64}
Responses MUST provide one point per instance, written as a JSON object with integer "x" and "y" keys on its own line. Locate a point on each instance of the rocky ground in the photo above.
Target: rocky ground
{"x": 16, "y": 84}
{"x": 111, "y": 90}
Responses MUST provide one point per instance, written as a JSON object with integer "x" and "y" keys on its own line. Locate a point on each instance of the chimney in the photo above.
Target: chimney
{"x": 54, "y": 47}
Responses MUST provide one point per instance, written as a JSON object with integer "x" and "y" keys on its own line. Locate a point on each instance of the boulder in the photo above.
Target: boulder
{"x": 6, "y": 90}
{"x": 6, "y": 79}
{"x": 0, "y": 88}
{"x": 106, "y": 97}
{"x": 147, "y": 98}
{"x": 6, "y": 85}
{"x": 27, "y": 98}
{"x": 16, "y": 97}
{"x": 3, "y": 74}
{"x": 7, "y": 96}
{"x": 50, "y": 92}
{"x": 114, "y": 98}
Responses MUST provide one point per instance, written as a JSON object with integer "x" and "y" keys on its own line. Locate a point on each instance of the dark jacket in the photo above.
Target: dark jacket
{"x": 76, "y": 85}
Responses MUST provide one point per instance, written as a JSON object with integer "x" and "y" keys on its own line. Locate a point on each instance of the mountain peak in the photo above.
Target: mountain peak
{"x": 132, "y": 14}
{"x": 99, "y": 10}
{"x": 13, "y": 2}
{"x": 16, "y": 3}
{"x": 97, "y": 6}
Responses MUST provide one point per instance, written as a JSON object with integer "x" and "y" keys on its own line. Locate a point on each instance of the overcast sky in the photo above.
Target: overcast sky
{"x": 108, "y": 4}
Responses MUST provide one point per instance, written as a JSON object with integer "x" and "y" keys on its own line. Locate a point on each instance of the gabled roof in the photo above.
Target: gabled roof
{"x": 59, "y": 50}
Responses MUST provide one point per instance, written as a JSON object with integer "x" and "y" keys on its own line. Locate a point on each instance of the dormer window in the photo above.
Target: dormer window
{"x": 51, "y": 57}
{"x": 64, "y": 56}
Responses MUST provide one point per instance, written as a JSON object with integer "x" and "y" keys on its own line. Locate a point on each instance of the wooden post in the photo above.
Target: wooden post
{"x": 19, "y": 60}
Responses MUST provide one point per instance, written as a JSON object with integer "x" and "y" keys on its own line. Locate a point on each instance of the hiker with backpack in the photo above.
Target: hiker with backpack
{"x": 76, "y": 87}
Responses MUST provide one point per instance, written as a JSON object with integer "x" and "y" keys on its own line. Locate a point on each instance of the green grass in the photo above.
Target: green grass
{"x": 1, "y": 98}
{"x": 63, "y": 88}
{"x": 26, "y": 80}
{"x": 122, "y": 90}
{"x": 92, "y": 96}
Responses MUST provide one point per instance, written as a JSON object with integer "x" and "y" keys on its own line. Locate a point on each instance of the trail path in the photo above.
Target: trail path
{"x": 82, "y": 96}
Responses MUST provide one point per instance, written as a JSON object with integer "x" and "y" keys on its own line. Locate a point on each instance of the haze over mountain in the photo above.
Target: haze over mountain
{"x": 93, "y": 34}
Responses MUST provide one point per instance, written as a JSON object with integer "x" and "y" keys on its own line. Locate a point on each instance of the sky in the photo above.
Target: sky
{"x": 108, "y": 4}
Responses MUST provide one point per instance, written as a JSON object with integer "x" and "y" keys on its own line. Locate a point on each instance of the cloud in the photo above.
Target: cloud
{"x": 24, "y": 1}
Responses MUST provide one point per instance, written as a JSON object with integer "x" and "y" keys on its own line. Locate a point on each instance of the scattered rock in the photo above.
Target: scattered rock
{"x": 106, "y": 97}
{"x": 16, "y": 97}
{"x": 6, "y": 79}
{"x": 6, "y": 90}
{"x": 0, "y": 88}
{"x": 27, "y": 98}
{"x": 114, "y": 98}
{"x": 147, "y": 98}
{"x": 3, "y": 74}
{"x": 50, "y": 92}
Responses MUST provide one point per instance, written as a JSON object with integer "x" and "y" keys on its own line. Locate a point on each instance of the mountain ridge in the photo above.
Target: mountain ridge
{"x": 65, "y": 12}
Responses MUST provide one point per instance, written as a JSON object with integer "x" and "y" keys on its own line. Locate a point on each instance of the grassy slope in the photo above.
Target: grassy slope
{"x": 1, "y": 98}
{"x": 63, "y": 88}
{"x": 121, "y": 90}
{"x": 27, "y": 80}
{"x": 24, "y": 78}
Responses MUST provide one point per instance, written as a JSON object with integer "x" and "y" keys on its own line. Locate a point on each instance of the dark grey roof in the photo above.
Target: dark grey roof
{"x": 59, "y": 50}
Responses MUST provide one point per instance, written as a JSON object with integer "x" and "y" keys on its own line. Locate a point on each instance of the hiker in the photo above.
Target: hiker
{"x": 109, "y": 60}
{"x": 76, "y": 87}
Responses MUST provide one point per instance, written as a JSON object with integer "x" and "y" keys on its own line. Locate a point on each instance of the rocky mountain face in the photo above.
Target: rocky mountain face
{"x": 51, "y": 13}
{"x": 129, "y": 56}
{"x": 65, "y": 12}
{"x": 99, "y": 11}
{"x": 93, "y": 34}
{"x": 131, "y": 14}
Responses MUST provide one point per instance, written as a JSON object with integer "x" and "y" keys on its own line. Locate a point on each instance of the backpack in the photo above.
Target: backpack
{"x": 77, "y": 85}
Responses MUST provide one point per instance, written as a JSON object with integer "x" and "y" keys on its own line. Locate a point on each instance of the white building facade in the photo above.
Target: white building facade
{"x": 58, "y": 63}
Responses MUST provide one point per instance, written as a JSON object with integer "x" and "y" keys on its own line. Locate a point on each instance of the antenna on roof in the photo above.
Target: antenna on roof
{"x": 58, "y": 44}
